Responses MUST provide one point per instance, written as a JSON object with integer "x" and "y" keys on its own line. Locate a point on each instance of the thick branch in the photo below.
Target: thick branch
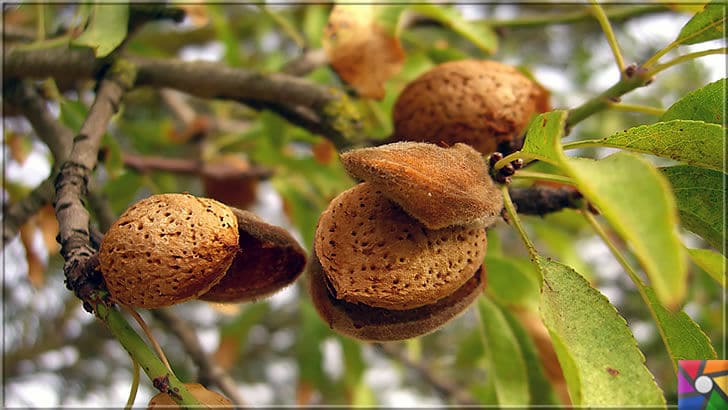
{"x": 209, "y": 369}
{"x": 445, "y": 388}
{"x": 540, "y": 200}
{"x": 335, "y": 114}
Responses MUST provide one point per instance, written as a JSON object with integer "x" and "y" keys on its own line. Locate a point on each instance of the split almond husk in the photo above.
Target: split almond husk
{"x": 207, "y": 398}
{"x": 167, "y": 249}
{"x": 369, "y": 323}
{"x": 478, "y": 102}
{"x": 438, "y": 186}
{"x": 374, "y": 253}
{"x": 269, "y": 260}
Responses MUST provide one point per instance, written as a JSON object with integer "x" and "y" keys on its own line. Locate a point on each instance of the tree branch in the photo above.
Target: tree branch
{"x": 540, "y": 200}
{"x": 282, "y": 93}
{"x": 189, "y": 166}
{"x": 18, "y": 213}
{"x": 208, "y": 368}
{"x": 444, "y": 388}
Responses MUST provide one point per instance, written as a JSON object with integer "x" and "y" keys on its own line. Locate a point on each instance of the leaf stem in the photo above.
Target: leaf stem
{"x": 582, "y": 144}
{"x": 602, "y": 101}
{"x": 162, "y": 379}
{"x": 148, "y": 332}
{"x": 543, "y": 177}
{"x": 687, "y": 57}
{"x": 644, "y": 109}
{"x": 513, "y": 156}
{"x": 134, "y": 385}
{"x": 611, "y": 38}
{"x": 513, "y": 216}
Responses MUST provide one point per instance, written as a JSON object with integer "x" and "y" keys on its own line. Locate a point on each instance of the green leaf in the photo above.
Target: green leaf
{"x": 122, "y": 190}
{"x": 509, "y": 285}
{"x": 713, "y": 263}
{"x": 693, "y": 142}
{"x": 106, "y": 30}
{"x": 479, "y": 34}
{"x": 599, "y": 355}
{"x": 544, "y": 135}
{"x": 682, "y": 336}
{"x": 700, "y": 196}
{"x": 705, "y": 25}
{"x": 636, "y": 200}
{"x": 506, "y": 364}
{"x": 73, "y": 114}
{"x": 704, "y": 104}
{"x": 539, "y": 386}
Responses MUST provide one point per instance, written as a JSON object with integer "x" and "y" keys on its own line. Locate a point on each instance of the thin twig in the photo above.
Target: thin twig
{"x": 208, "y": 368}
{"x": 19, "y": 212}
{"x": 189, "y": 166}
{"x": 611, "y": 38}
{"x": 614, "y": 13}
{"x": 444, "y": 388}
{"x": 306, "y": 62}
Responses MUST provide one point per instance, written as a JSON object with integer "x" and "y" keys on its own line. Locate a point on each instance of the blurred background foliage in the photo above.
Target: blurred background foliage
{"x": 278, "y": 350}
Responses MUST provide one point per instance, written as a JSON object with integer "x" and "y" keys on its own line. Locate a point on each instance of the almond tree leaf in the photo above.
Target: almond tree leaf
{"x": 693, "y": 142}
{"x": 700, "y": 195}
{"x": 106, "y": 30}
{"x": 509, "y": 285}
{"x": 682, "y": 336}
{"x": 540, "y": 389}
{"x": 636, "y": 200}
{"x": 506, "y": 364}
{"x": 36, "y": 267}
{"x": 543, "y": 136}
{"x": 360, "y": 49}
{"x": 704, "y": 104}
{"x": 706, "y": 25}
{"x": 48, "y": 225}
{"x": 599, "y": 355}
{"x": 483, "y": 36}
{"x": 713, "y": 263}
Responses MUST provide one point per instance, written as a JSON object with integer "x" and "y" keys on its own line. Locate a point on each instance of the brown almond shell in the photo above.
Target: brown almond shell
{"x": 269, "y": 260}
{"x": 376, "y": 254}
{"x": 369, "y": 323}
{"x": 482, "y": 103}
{"x": 438, "y": 186}
{"x": 167, "y": 249}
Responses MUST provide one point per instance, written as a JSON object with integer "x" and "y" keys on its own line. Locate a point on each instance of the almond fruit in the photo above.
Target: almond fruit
{"x": 167, "y": 249}
{"x": 374, "y": 253}
{"x": 369, "y": 323}
{"x": 478, "y": 102}
{"x": 438, "y": 186}
{"x": 208, "y": 398}
{"x": 269, "y": 260}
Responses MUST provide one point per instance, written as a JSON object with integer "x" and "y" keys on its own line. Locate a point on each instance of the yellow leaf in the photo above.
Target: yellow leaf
{"x": 360, "y": 50}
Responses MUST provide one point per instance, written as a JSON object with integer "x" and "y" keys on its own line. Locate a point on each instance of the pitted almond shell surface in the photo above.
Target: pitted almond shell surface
{"x": 269, "y": 259}
{"x": 167, "y": 249}
{"x": 377, "y": 324}
{"x": 438, "y": 186}
{"x": 374, "y": 253}
{"x": 207, "y": 398}
{"x": 481, "y": 103}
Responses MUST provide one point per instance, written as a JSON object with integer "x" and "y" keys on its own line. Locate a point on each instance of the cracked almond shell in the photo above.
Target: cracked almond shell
{"x": 481, "y": 103}
{"x": 374, "y": 253}
{"x": 438, "y": 186}
{"x": 269, "y": 259}
{"x": 167, "y": 249}
{"x": 377, "y": 324}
